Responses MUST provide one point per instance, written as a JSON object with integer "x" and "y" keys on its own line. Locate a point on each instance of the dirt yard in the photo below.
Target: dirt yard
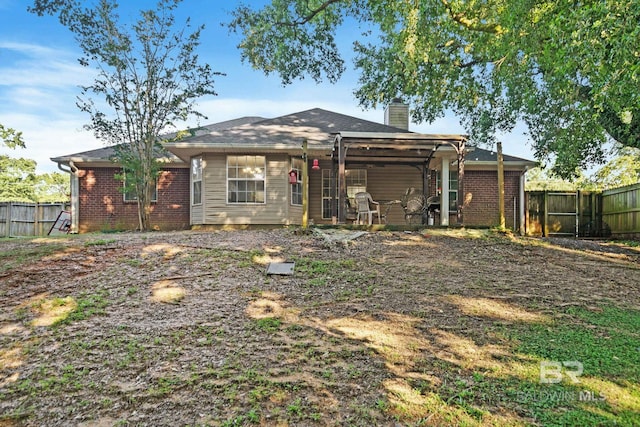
{"x": 388, "y": 328}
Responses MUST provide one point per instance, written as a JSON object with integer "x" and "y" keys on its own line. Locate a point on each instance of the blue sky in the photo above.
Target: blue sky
{"x": 40, "y": 78}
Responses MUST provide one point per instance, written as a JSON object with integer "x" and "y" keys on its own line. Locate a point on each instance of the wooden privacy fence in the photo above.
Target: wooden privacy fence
{"x": 28, "y": 219}
{"x": 570, "y": 214}
{"x": 613, "y": 212}
{"x": 621, "y": 210}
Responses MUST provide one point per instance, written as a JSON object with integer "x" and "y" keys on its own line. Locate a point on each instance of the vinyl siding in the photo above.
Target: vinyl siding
{"x": 274, "y": 211}
{"x": 383, "y": 183}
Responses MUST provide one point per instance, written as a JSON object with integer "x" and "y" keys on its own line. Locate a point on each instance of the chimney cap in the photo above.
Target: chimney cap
{"x": 397, "y": 100}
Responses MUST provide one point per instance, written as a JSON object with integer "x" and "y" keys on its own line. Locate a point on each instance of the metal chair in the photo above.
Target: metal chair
{"x": 414, "y": 204}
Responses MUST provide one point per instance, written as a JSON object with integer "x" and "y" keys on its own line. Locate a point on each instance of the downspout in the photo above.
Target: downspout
{"x": 75, "y": 199}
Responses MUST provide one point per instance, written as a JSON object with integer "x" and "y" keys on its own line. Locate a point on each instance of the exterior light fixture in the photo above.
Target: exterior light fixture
{"x": 316, "y": 165}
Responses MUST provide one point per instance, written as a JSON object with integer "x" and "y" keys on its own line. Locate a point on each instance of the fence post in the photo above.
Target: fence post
{"x": 9, "y": 220}
{"x": 36, "y": 215}
{"x": 545, "y": 204}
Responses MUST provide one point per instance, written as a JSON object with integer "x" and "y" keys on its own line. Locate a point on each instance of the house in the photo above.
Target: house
{"x": 249, "y": 172}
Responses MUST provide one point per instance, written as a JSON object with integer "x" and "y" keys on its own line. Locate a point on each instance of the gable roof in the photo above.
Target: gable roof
{"x": 106, "y": 153}
{"x": 287, "y": 132}
{"x": 483, "y": 155}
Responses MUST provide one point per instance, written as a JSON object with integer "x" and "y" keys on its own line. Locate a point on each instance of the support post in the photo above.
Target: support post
{"x": 342, "y": 181}
{"x": 501, "y": 220}
{"x": 461, "y": 196}
{"x": 305, "y": 186}
{"x": 444, "y": 196}
{"x": 522, "y": 217}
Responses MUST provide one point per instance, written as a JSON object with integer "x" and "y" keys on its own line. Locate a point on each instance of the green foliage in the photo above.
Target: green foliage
{"x": 11, "y": 137}
{"x": 52, "y": 187}
{"x": 149, "y": 76}
{"x": 622, "y": 170}
{"x": 88, "y": 305}
{"x": 17, "y": 179}
{"x": 568, "y": 70}
{"x": 269, "y": 324}
{"x": 20, "y": 183}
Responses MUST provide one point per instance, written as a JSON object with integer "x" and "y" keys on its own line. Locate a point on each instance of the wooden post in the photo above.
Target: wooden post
{"x": 342, "y": 181}
{"x": 305, "y": 186}
{"x": 502, "y": 222}
{"x": 546, "y": 214}
{"x": 461, "y": 195}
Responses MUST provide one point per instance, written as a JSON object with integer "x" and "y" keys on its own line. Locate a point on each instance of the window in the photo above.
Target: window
{"x": 196, "y": 180}
{"x": 296, "y": 189}
{"x": 453, "y": 188}
{"x": 356, "y": 182}
{"x": 245, "y": 179}
{"x": 326, "y": 194}
{"x": 130, "y": 193}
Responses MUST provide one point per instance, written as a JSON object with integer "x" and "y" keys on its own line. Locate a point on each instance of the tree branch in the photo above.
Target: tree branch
{"x": 312, "y": 14}
{"x": 472, "y": 24}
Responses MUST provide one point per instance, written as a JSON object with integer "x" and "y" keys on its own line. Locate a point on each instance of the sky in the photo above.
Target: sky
{"x": 40, "y": 80}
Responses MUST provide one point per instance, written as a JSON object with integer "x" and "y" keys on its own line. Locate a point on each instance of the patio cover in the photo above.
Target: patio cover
{"x": 392, "y": 148}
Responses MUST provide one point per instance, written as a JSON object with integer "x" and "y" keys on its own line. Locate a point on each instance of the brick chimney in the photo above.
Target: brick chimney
{"x": 397, "y": 114}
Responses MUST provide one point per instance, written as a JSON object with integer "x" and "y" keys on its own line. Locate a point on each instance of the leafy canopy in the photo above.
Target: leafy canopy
{"x": 149, "y": 77}
{"x": 10, "y": 137}
{"x": 569, "y": 70}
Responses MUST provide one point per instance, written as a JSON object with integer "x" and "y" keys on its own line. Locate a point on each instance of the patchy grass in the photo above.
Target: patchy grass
{"x": 15, "y": 256}
{"x": 428, "y": 328}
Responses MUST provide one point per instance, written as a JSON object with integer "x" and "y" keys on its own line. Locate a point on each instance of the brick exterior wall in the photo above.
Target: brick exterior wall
{"x": 481, "y": 190}
{"x": 102, "y": 206}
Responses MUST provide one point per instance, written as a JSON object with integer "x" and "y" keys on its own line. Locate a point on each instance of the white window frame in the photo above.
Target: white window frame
{"x": 453, "y": 188}
{"x": 296, "y": 189}
{"x": 356, "y": 180}
{"x": 196, "y": 178}
{"x": 253, "y": 171}
{"x": 326, "y": 197}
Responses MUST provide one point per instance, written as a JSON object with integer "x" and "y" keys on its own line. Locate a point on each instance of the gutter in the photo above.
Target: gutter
{"x": 75, "y": 193}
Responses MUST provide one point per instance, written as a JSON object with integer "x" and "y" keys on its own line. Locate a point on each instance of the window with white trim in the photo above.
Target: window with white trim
{"x": 296, "y": 189}
{"x": 356, "y": 180}
{"x": 246, "y": 179}
{"x": 453, "y": 188}
{"x": 196, "y": 181}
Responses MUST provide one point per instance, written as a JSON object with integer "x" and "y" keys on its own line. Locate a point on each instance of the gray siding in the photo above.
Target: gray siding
{"x": 197, "y": 217}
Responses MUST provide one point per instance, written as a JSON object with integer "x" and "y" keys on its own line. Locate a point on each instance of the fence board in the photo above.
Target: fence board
{"x": 564, "y": 214}
{"x": 28, "y": 219}
{"x": 621, "y": 210}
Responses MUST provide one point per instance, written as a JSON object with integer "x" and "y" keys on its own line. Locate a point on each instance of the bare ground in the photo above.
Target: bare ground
{"x": 186, "y": 328}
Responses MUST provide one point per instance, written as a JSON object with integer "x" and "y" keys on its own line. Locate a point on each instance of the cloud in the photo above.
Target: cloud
{"x": 33, "y": 65}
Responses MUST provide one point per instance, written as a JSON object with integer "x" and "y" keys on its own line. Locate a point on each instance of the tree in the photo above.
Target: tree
{"x": 569, "y": 70}
{"x": 10, "y": 137}
{"x": 17, "y": 179}
{"x": 149, "y": 76}
{"x": 52, "y": 187}
{"x": 623, "y": 169}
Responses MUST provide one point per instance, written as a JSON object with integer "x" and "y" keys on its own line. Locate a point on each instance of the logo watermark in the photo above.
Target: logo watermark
{"x": 554, "y": 372}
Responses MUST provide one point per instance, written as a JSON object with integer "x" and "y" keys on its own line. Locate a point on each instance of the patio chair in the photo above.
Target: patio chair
{"x": 364, "y": 204}
{"x": 414, "y": 205}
